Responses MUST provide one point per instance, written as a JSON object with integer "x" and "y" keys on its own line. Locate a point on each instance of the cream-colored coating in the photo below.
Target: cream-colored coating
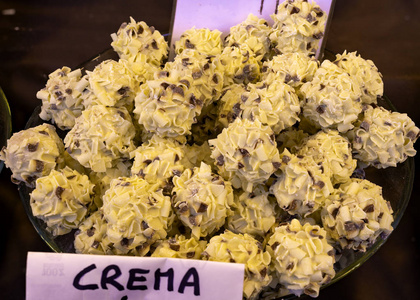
{"x": 253, "y": 213}
{"x": 331, "y": 151}
{"x": 254, "y": 33}
{"x": 301, "y": 187}
{"x": 382, "y": 138}
{"x": 33, "y": 153}
{"x": 331, "y": 99}
{"x": 136, "y": 39}
{"x": 274, "y": 104}
{"x": 301, "y": 257}
{"x": 113, "y": 83}
{"x": 245, "y": 153}
{"x": 365, "y": 73}
{"x": 60, "y": 199}
{"x": 298, "y": 27}
{"x": 356, "y": 214}
{"x": 62, "y": 100}
{"x": 202, "y": 200}
{"x": 243, "y": 249}
{"x": 158, "y": 159}
{"x": 100, "y": 136}
{"x": 180, "y": 247}
{"x": 137, "y": 213}
{"x": 203, "y": 40}
{"x": 91, "y": 237}
{"x": 238, "y": 66}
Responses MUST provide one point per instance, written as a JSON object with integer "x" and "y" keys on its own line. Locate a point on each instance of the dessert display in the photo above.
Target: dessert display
{"x": 244, "y": 150}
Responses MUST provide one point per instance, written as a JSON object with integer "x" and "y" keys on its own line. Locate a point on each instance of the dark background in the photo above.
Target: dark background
{"x": 45, "y": 35}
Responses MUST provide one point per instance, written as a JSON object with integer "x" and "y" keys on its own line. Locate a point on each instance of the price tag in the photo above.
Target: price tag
{"x": 52, "y": 276}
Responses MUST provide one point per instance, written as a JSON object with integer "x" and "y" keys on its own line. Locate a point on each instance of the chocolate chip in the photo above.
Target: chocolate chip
{"x": 186, "y": 82}
{"x": 69, "y": 91}
{"x": 215, "y": 79}
{"x": 411, "y": 135}
{"x": 126, "y": 242}
{"x": 287, "y": 78}
{"x": 206, "y": 66}
{"x": 197, "y": 74}
{"x": 202, "y": 208}
{"x": 39, "y": 166}
{"x": 369, "y": 208}
{"x": 335, "y": 212}
{"x": 190, "y": 254}
{"x": 310, "y": 18}
{"x": 59, "y": 191}
{"x": 350, "y": 226}
{"x": 176, "y": 157}
{"x": 285, "y": 159}
{"x": 294, "y": 10}
{"x": 140, "y": 29}
{"x": 263, "y": 272}
{"x": 220, "y": 160}
{"x": 319, "y": 184}
{"x": 32, "y": 147}
{"x": 240, "y": 165}
{"x": 276, "y": 165}
{"x": 365, "y": 126}
{"x": 244, "y": 152}
{"x": 237, "y": 108}
{"x": 321, "y": 108}
{"x": 174, "y": 247}
{"x": 154, "y": 45}
{"x": 95, "y": 245}
{"x": 275, "y": 245}
{"x": 147, "y": 162}
{"x": 164, "y": 85}
{"x": 193, "y": 220}
{"x": 244, "y": 98}
{"x": 188, "y": 44}
{"x": 290, "y": 266}
{"x": 123, "y": 91}
{"x": 178, "y": 90}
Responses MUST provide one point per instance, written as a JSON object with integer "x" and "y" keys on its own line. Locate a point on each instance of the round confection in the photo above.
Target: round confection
{"x": 166, "y": 109}
{"x": 62, "y": 100}
{"x": 158, "y": 159}
{"x": 254, "y": 33}
{"x": 356, "y": 214}
{"x": 383, "y": 138}
{"x": 274, "y": 104}
{"x": 238, "y": 65}
{"x": 198, "y": 73}
{"x": 91, "y": 237}
{"x": 229, "y": 105}
{"x": 136, "y": 39}
{"x": 301, "y": 187}
{"x": 291, "y": 139}
{"x": 60, "y": 199}
{"x": 332, "y": 98}
{"x": 203, "y": 40}
{"x": 292, "y": 68}
{"x": 180, "y": 247}
{"x": 100, "y": 136}
{"x": 137, "y": 213}
{"x": 113, "y": 83}
{"x": 245, "y": 153}
{"x": 331, "y": 151}
{"x": 242, "y": 249}
{"x": 202, "y": 200}
{"x": 365, "y": 73}
{"x": 298, "y": 27}
{"x": 253, "y": 213}
{"x": 33, "y": 153}
{"x": 301, "y": 257}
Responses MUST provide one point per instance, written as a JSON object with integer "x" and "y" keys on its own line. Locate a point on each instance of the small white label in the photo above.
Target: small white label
{"x": 52, "y": 276}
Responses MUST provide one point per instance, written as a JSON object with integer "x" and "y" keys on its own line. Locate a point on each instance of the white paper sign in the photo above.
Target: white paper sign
{"x": 58, "y": 276}
{"x": 223, "y": 14}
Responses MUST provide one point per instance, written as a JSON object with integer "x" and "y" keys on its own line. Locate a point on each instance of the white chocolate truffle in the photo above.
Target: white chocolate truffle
{"x": 91, "y": 237}
{"x": 365, "y": 73}
{"x": 158, "y": 159}
{"x": 166, "y": 109}
{"x": 198, "y": 73}
{"x": 137, "y": 213}
{"x": 202, "y": 200}
{"x": 180, "y": 247}
{"x": 274, "y": 104}
{"x": 33, "y": 153}
{"x": 292, "y": 68}
{"x": 136, "y": 39}
{"x": 245, "y": 153}
{"x": 238, "y": 66}
{"x": 301, "y": 187}
{"x": 253, "y": 213}
{"x": 356, "y": 215}
{"x": 113, "y": 83}
{"x": 229, "y": 105}
{"x": 203, "y": 40}
{"x": 62, "y": 100}
{"x": 254, "y": 33}
{"x": 331, "y": 99}
{"x": 242, "y": 249}
{"x": 60, "y": 199}
{"x": 331, "y": 151}
{"x": 383, "y": 138}
{"x": 100, "y": 136}
{"x": 298, "y": 27}
{"x": 301, "y": 257}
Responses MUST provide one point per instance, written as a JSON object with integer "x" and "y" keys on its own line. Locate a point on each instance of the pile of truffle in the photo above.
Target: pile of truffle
{"x": 239, "y": 150}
